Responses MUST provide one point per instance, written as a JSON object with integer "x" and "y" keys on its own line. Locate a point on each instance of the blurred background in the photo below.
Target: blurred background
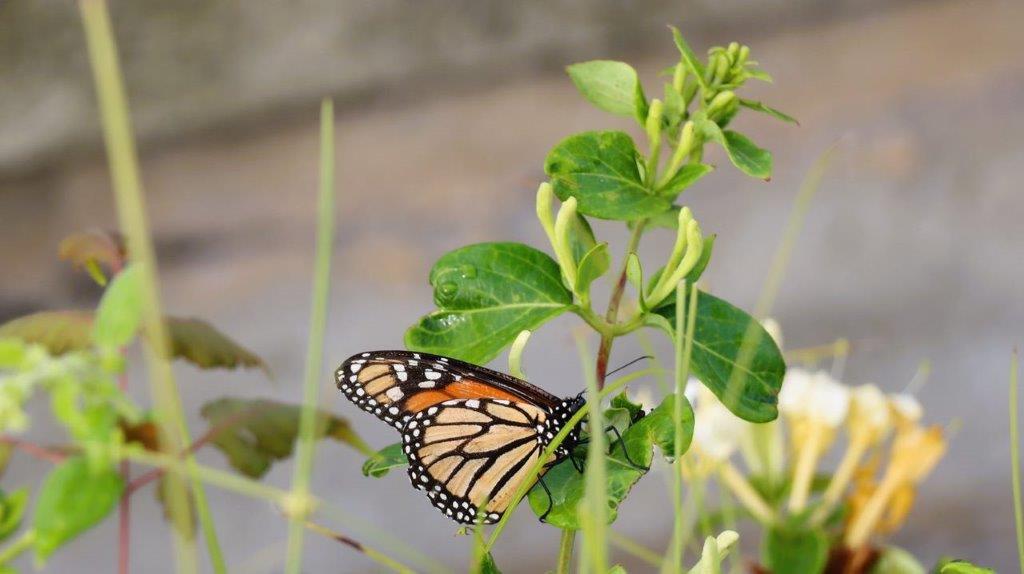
{"x": 911, "y": 250}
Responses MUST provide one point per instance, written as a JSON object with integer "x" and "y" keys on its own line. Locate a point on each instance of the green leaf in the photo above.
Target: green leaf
{"x": 617, "y": 569}
{"x": 612, "y": 86}
{"x": 594, "y": 265}
{"x": 894, "y": 560}
{"x": 194, "y": 340}
{"x": 766, "y": 109}
{"x": 384, "y": 460}
{"x": 486, "y": 294}
{"x": 72, "y": 499}
{"x": 204, "y": 346}
{"x": 674, "y": 111}
{"x": 684, "y": 178}
{"x": 622, "y": 401}
{"x": 957, "y": 567}
{"x": 120, "y": 311}
{"x": 792, "y": 550}
{"x": 567, "y": 485}
{"x": 59, "y": 331}
{"x": 742, "y": 152}
{"x": 12, "y": 509}
{"x": 600, "y": 170}
{"x": 255, "y": 433}
{"x": 718, "y": 337}
{"x": 581, "y": 238}
{"x": 693, "y": 64}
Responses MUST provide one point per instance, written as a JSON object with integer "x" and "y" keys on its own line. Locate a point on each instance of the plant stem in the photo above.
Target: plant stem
{"x": 127, "y": 186}
{"x": 604, "y": 349}
{"x": 359, "y": 547}
{"x": 37, "y": 451}
{"x": 1018, "y": 510}
{"x": 23, "y": 543}
{"x": 565, "y": 551}
{"x": 317, "y": 324}
{"x": 686, "y": 309}
{"x": 124, "y": 512}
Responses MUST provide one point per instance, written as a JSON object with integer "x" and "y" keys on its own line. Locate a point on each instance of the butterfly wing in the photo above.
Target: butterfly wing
{"x": 470, "y": 455}
{"x": 395, "y": 385}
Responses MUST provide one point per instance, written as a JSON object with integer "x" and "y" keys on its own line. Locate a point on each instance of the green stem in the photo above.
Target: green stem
{"x": 314, "y": 352}
{"x": 19, "y": 546}
{"x": 127, "y": 185}
{"x": 683, "y": 351}
{"x": 565, "y": 551}
{"x": 1018, "y": 510}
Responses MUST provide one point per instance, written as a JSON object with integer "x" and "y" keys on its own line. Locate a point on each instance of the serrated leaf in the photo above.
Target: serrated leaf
{"x": 718, "y": 336}
{"x": 12, "y": 510}
{"x": 120, "y": 310}
{"x": 600, "y": 170}
{"x": 58, "y": 331}
{"x": 204, "y": 346}
{"x": 387, "y": 458}
{"x": 689, "y": 58}
{"x": 486, "y": 294}
{"x": 567, "y": 484}
{"x": 766, "y": 109}
{"x": 72, "y": 499}
{"x": 684, "y": 178}
{"x": 612, "y": 86}
{"x": 255, "y": 433}
{"x": 593, "y": 265}
{"x": 792, "y": 550}
{"x": 90, "y": 249}
{"x": 743, "y": 153}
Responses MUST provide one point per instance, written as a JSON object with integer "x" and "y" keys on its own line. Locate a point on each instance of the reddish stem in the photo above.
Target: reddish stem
{"x": 41, "y": 452}
{"x": 208, "y": 436}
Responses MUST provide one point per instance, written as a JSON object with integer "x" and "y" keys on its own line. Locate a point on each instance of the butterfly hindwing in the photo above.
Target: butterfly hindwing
{"x": 470, "y": 455}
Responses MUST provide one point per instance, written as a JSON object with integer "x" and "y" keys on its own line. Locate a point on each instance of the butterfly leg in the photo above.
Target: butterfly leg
{"x": 625, "y": 451}
{"x": 551, "y": 501}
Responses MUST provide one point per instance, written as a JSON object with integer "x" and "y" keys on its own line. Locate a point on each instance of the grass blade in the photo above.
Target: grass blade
{"x": 314, "y": 353}
{"x": 127, "y": 185}
{"x": 1018, "y": 510}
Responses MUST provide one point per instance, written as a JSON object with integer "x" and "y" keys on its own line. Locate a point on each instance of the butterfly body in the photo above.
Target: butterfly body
{"x": 471, "y": 434}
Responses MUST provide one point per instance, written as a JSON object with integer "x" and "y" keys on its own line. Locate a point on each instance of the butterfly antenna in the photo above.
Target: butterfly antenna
{"x": 629, "y": 364}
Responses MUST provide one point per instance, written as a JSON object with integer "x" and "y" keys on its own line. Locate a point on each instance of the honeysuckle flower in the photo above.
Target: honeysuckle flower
{"x": 906, "y": 411}
{"x": 868, "y": 424}
{"x": 915, "y": 452}
{"x": 717, "y": 433}
{"x": 714, "y": 551}
{"x": 817, "y": 405}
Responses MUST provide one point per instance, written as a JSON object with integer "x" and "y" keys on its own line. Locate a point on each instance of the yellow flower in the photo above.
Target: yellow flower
{"x": 879, "y": 509}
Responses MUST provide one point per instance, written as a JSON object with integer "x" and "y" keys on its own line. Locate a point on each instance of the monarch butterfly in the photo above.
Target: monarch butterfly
{"x": 471, "y": 434}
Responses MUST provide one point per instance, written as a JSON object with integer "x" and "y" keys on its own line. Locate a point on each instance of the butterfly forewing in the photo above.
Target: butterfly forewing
{"x": 470, "y": 455}
{"x": 393, "y": 385}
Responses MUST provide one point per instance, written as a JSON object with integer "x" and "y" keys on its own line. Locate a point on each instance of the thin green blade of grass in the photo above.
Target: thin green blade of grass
{"x": 306, "y": 448}
{"x": 1018, "y": 509}
{"x": 127, "y": 185}
{"x": 752, "y": 337}
{"x": 683, "y": 347}
{"x": 257, "y": 490}
{"x": 594, "y": 509}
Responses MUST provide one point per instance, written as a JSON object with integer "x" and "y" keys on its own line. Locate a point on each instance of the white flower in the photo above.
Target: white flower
{"x": 906, "y": 408}
{"x": 815, "y": 396}
{"x": 869, "y": 412}
{"x": 716, "y": 431}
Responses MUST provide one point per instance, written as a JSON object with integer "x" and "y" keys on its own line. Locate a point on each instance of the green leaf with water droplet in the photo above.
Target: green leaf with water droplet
{"x": 511, "y": 287}
{"x": 600, "y": 170}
